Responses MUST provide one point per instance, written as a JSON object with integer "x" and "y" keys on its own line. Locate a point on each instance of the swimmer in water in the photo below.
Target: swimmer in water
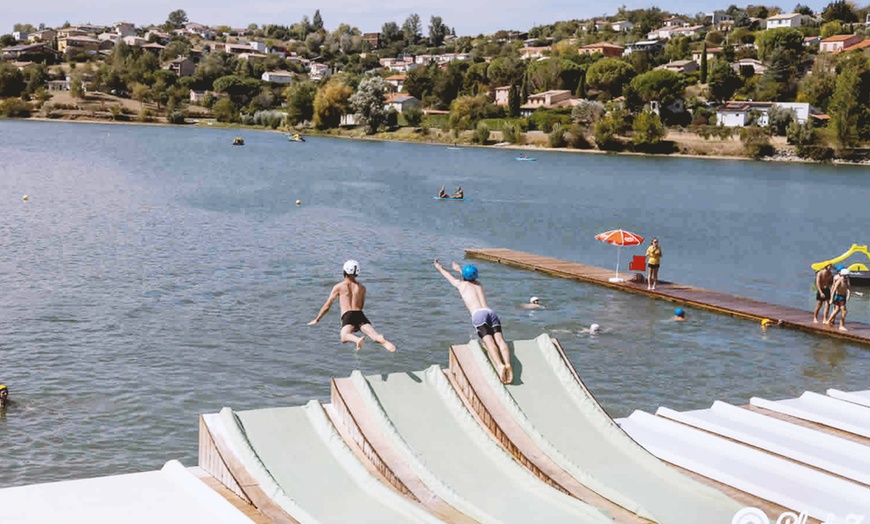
{"x": 594, "y": 329}
{"x": 679, "y": 315}
{"x": 534, "y": 303}
{"x": 4, "y": 396}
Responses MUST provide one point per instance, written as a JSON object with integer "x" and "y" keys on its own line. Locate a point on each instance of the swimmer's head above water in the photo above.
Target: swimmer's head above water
{"x": 594, "y": 328}
{"x": 534, "y": 300}
{"x": 4, "y": 396}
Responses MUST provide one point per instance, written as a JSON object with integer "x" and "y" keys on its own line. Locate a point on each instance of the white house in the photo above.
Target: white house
{"x": 533, "y": 52}
{"x": 789, "y": 20}
{"x": 397, "y": 81}
{"x": 123, "y": 29}
{"x": 401, "y": 103}
{"x": 318, "y": 71}
{"x": 757, "y": 66}
{"x": 717, "y": 17}
{"x": 277, "y": 77}
{"x": 259, "y": 46}
{"x": 134, "y": 41}
{"x": 623, "y": 26}
{"x": 20, "y": 36}
{"x": 737, "y": 114}
{"x": 650, "y": 46}
{"x": 502, "y": 94}
{"x": 680, "y": 66}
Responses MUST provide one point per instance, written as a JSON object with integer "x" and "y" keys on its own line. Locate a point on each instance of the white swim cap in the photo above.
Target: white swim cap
{"x": 845, "y": 272}
{"x": 351, "y": 267}
{"x": 534, "y": 300}
{"x": 594, "y": 328}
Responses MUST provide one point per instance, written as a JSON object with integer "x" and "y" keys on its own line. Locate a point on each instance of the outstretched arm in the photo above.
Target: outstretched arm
{"x": 450, "y": 278}
{"x": 332, "y": 296}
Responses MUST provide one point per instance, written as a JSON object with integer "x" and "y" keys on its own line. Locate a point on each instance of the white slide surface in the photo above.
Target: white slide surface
{"x": 821, "y": 409}
{"x": 793, "y": 486}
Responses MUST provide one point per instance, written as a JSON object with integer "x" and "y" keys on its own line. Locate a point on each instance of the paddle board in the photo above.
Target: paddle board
{"x": 457, "y": 199}
{"x": 526, "y": 159}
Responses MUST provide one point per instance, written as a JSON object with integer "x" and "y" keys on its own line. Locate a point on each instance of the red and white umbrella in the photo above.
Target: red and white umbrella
{"x": 619, "y": 238}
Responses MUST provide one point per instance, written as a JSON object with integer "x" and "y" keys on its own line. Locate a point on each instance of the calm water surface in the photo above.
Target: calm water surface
{"x": 159, "y": 273}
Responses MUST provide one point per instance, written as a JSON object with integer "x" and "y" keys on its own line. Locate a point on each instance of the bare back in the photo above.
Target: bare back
{"x": 351, "y": 295}
{"x": 473, "y": 296}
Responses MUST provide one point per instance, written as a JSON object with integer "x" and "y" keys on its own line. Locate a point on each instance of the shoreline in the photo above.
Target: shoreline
{"x": 350, "y": 135}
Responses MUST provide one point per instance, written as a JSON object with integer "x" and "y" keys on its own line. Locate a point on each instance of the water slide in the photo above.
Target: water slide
{"x": 821, "y": 409}
{"x": 551, "y": 404}
{"x": 303, "y": 465}
{"x": 818, "y": 266}
{"x": 422, "y": 417}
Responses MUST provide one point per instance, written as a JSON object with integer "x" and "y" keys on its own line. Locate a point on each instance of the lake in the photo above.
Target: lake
{"x": 157, "y": 273}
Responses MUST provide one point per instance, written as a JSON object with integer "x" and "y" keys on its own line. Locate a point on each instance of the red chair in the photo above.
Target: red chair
{"x": 638, "y": 263}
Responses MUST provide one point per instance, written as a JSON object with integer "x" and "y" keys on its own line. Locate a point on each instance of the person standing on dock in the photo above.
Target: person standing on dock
{"x": 824, "y": 279}
{"x": 840, "y": 293}
{"x": 654, "y": 257}
{"x": 484, "y": 319}
{"x": 352, "y": 298}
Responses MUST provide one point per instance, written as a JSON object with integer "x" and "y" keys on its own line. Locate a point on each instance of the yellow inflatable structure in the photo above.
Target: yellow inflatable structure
{"x": 852, "y": 250}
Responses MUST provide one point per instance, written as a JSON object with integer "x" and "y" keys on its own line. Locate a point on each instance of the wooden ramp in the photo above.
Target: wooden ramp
{"x": 723, "y": 303}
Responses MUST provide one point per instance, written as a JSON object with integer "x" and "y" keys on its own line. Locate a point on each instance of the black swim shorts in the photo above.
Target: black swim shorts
{"x": 654, "y": 266}
{"x": 824, "y": 295}
{"x": 354, "y": 318}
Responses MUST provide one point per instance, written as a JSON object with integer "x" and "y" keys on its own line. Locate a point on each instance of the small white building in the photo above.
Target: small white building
{"x": 789, "y": 20}
{"x": 20, "y": 36}
{"x": 623, "y": 26}
{"x": 318, "y": 71}
{"x": 401, "y": 103}
{"x": 737, "y": 114}
{"x": 396, "y": 81}
{"x": 277, "y": 77}
{"x": 502, "y": 94}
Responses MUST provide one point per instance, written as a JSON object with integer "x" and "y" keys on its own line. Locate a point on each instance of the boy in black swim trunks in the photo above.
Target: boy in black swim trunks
{"x": 352, "y": 297}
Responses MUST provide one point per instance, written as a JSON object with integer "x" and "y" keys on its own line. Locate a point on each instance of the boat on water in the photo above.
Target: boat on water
{"x": 463, "y": 199}
{"x": 295, "y": 137}
{"x": 238, "y": 141}
{"x": 859, "y": 273}
{"x": 526, "y": 158}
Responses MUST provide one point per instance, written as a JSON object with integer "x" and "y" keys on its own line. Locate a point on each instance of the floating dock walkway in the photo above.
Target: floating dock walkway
{"x": 686, "y": 295}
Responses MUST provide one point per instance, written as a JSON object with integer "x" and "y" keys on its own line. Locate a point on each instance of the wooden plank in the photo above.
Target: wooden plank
{"x": 722, "y": 303}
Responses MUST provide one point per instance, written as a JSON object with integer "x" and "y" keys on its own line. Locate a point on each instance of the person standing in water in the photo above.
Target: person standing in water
{"x": 352, "y": 298}
{"x": 484, "y": 319}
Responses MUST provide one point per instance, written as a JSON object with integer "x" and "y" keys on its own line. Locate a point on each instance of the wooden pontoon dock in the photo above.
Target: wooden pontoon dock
{"x": 723, "y": 303}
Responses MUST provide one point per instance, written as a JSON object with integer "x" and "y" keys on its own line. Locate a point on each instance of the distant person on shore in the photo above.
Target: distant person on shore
{"x": 654, "y": 257}
{"x": 442, "y": 193}
{"x": 824, "y": 279}
{"x": 459, "y": 193}
{"x": 679, "y": 315}
{"x": 352, "y": 298}
{"x": 484, "y": 319}
{"x": 533, "y": 303}
{"x": 840, "y": 293}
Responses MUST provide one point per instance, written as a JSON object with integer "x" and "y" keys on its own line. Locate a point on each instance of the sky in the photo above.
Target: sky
{"x": 468, "y": 17}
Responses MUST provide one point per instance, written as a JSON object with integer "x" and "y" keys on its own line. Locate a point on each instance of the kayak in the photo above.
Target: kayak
{"x": 465, "y": 199}
{"x": 526, "y": 159}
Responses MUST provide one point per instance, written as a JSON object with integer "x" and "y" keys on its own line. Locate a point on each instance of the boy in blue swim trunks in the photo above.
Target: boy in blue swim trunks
{"x": 484, "y": 319}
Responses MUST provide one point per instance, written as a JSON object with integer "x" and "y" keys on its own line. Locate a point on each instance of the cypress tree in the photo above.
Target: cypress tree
{"x": 514, "y": 101}
{"x": 704, "y": 64}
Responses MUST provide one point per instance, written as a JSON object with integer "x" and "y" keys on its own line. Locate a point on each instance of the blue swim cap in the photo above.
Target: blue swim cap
{"x": 839, "y": 267}
{"x": 679, "y": 312}
{"x": 469, "y": 273}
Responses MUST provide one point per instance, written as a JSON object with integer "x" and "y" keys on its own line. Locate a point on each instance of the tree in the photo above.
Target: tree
{"x": 331, "y": 102}
{"x": 784, "y": 38}
{"x": 832, "y": 28}
{"x": 704, "y": 64}
{"x": 817, "y": 87}
{"x": 648, "y": 129}
{"x": 466, "y": 111}
{"x": 390, "y": 33}
{"x": 11, "y": 80}
{"x": 411, "y": 29}
{"x": 225, "y": 111}
{"x": 609, "y": 75}
{"x": 368, "y": 103}
{"x": 437, "y": 31}
{"x": 300, "y": 102}
{"x": 317, "y": 21}
{"x": 723, "y": 81}
{"x": 756, "y": 141}
{"x": 605, "y": 130}
{"x": 514, "y": 101}
{"x": 779, "y": 119}
{"x": 850, "y": 118}
{"x": 803, "y": 9}
{"x": 839, "y": 10}
{"x": 659, "y": 84}
{"x": 413, "y": 115}
{"x": 176, "y": 19}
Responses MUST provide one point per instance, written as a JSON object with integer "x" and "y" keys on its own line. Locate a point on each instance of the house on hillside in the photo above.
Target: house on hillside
{"x": 602, "y": 48}
{"x": 21, "y": 36}
{"x": 373, "y": 39}
{"x": 401, "y": 103}
{"x": 318, "y": 71}
{"x": 784, "y": 20}
{"x": 84, "y": 44}
{"x": 548, "y": 99}
{"x": 29, "y": 52}
{"x": 712, "y": 53}
{"x": 680, "y": 66}
{"x": 46, "y": 35}
{"x": 396, "y": 81}
{"x": 623, "y": 26}
{"x": 739, "y": 113}
{"x": 501, "y": 95}
{"x": 836, "y": 44}
{"x": 181, "y": 66}
{"x": 534, "y": 52}
{"x": 758, "y": 67}
{"x": 649, "y": 46}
